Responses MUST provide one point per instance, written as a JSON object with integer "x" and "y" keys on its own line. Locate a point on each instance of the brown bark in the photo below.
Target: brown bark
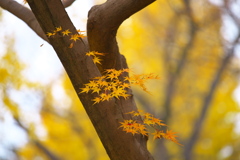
{"x": 103, "y": 23}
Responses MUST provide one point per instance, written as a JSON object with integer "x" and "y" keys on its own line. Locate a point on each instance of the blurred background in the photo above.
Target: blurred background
{"x": 192, "y": 45}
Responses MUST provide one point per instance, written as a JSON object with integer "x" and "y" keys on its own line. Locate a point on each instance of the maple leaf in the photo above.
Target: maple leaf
{"x": 128, "y": 126}
{"x": 97, "y": 100}
{"x": 125, "y": 85}
{"x": 105, "y": 97}
{"x": 90, "y": 54}
{"x": 96, "y": 89}
{"x": 148, "y": 121}
{"x": 141, "y": 129}
{"x": 66, "y": 32}
{"x": 158, "y": 134}
{"x": 100, "y": 54}
{"x": 147, "y": 115}
{"x": 109, "y": 70}
{"x": 133, "y": 127}
{"x": 133, "y": 113}
{"x": 74, "y": 37}
{"x": 92, "y": 84}
{"x": 96, "y": 60}
{"x": 93, "y": 53}
{"x": 125, "y": 96}
{"x": 58, "y": 29}
{"x": 85, "y": 90}
{"x": 79, "y": 31}
{"x": 131, "y": 130}
{"x": 126, "y": 70}
{"x": 171, "y": 136}
{"x": 103, "y": 83}
{"x": 71, "y": 45}
{"x": 81, "y": 36}
{"x": 126, "y": 123}
{"x": 117, "y": 92}
{"x": 157, "y": 121}
{"x": 49, "y": 34}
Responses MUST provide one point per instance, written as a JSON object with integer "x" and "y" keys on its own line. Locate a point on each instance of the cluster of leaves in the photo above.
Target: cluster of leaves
{"x": 134, "y": 127}
{"x": 95, "y": 56}
{"x": 110, "y": 86}
{"x": 73, "y": 37}
{"x": 113, "y": 84}
{"x": 140, "y": 79}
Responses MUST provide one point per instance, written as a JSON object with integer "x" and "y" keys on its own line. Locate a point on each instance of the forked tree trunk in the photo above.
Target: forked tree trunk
{"x": 103, "y": 24}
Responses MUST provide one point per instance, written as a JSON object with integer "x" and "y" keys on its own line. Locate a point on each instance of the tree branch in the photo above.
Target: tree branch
{"x": 80, "y": 68}
{"x": 26, "y": 14}
{"x": 103, "y": 23}
{"x": 67, "y": 3}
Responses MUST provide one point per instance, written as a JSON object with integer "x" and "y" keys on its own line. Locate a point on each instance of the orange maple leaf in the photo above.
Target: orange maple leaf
{"x": 171, "y": 136}
{"x": 158, "y": 134}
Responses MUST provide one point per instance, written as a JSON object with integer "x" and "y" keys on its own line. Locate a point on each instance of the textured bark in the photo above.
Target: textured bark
{"x": 103, "y": 23}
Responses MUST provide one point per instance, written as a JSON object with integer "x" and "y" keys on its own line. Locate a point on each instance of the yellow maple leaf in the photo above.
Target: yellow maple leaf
{"x": 96, "y": 60}
{"x": 157, "y": 121}
{"x": 148, "y": 121}
{"x": 125, "y": 96}
{"x": 85, "y": 90}
{"x": 90, "y": 54}
{"x": 58, "y": 29}
{"x": 66, "y": 32}
{"x": 105, "y": 97}
{"x": 118, "y": 92}
{"x": 96, "y": 89}
{"x": 126, "y": 123}
{"x": 81, "y": 36}
{"x": 49, "y": 34}
{"x": 147, "y": 115}
{"x": 79, "y": 31}
{"x": 125, "y": 85}
{"x": 103, "y": 83}
{"x": 92, "y": 84}
{"x": 74, "y": 37}
{"x": 97, "y": 100}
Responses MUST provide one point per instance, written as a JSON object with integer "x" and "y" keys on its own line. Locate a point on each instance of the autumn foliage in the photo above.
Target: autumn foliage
{"x": 111, "y": 86}
{"x": 134, "y": 127}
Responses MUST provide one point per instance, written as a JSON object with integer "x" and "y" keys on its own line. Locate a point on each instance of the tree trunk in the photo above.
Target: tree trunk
{"x": 103, "y": 23}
